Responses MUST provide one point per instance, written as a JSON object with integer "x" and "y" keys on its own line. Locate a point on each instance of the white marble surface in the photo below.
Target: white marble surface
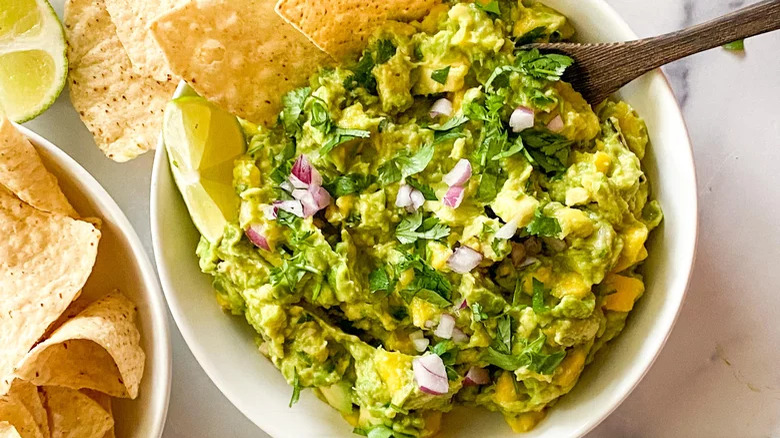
{"x": 719, "y": 375}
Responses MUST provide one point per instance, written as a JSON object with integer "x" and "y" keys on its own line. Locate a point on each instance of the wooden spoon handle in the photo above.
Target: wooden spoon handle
{"x": 753, "y": 20}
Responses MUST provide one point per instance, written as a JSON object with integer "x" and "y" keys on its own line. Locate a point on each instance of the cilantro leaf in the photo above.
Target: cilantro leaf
{"x": 531, "y": 357}
{"x": 404, "y": 166}
{"x": 490, "y": 7}
{"x": 432, "y": 297}
{"x": 449, "y": 130}
{"x": 441, "y": 75}
{"x": 283, "y": 163}
{"x": 737, "y": 46}
{"x": 514, "y": 148}
{"x": 411, "y": 228}
{"x": 296, "y": 389}
{"x": 543, "y": 226}
{"x": 340, "y": 136}
{"x": 388, "y": 173}
{"x": 503, "y": 341}
{"x": 550, "y": 66}
{"x": 533, "y": 35}
{"x": 319, "y": 116}
{"x": 450, "y": 124}
{"x": 385, "y": 49}
{"x": 427, "y": 282}
{"x": 547, "y": 150}
{"x": 478, "y": 313}
{"x": 293, "y": 103}
{"x": 348, "y": 184}
{"x": 378, "y": 280}
{"x": 425, "y": 189}
{"x": 540, "y": 293}
{"x": 362, "y": 75}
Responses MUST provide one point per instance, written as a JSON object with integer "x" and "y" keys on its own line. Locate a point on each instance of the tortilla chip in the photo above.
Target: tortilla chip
{"x": 98, "y": 349}
{"x": 13, "y": 411}
{"x": 238, "y": 54}
{"x": 342, "y": 27}
{"x": 23, "y": 173}
{"x": 132, "y": 19}
{"x": 73, "y": 414}
{"x": 122, "y": 109}
{"x": 45, "y": 259}
{"x": 105, "y": 402}
{"x": 28, "y": 395}
{"x": 8, "y": 431}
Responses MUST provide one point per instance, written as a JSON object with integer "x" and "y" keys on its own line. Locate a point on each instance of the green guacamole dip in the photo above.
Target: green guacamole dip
{"x": 347, "y": 299}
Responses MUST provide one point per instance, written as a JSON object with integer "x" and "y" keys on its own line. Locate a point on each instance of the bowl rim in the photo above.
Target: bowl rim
{"x": 161, "y": 166}
{"x": 160, "y": 330}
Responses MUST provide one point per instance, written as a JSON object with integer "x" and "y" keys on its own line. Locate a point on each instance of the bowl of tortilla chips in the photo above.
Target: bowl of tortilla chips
{"x": 85, "y": 349}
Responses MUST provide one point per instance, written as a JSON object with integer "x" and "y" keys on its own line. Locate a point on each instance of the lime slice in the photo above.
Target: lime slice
{"x": 33, "y": 58}
{"x": 202, "y": 142}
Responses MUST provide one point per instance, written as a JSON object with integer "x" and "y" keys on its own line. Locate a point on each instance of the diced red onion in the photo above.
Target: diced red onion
{"x": 255, "y": 233}
{"x": 464, "y": 260}
{"x": 556, "y": 124}
{"x": 418, "y": 199}
{"x": 459, "y": 174}
{"x": 404, "y": 197}
{"x": 304, "y": 171}
{"x": 441, "y": 107}
{"x": 508, "y": 230}
{"x": 310, "y": 207}
{"x": 430, "y": 374}
{"x": 299, "y": 193}
{"x": 321, "y": 196}
{"x": 454, "y": 196}
{"x": 459, "y": 337}
{"x": 446, "y": 326}
{"x": 295, "y": 183}
{"x": 287, "y": 186}
{"x": 429, "y": 324}
{"x": 421, "y": 344}
{"x": 477, "y": 376}
{"x": 463, "y": 305}
{"x": 521, "y": 119}
{"x": 269, "y": 212}
{"x": 294, "y": 207}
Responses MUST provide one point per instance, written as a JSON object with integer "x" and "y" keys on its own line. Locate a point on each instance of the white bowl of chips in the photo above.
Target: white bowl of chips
{"x": 225, "y": 346}
{"x": 103, "y": 365}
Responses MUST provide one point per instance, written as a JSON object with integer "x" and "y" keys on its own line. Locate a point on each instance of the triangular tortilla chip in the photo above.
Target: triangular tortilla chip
{"x": 239, "y": 54}
{"x": 23, "y": 173}
{"x": 73, "y": 414}
{"x": 342, "y": 27}
{"x": 7, "y": 430}
{"x": 122, "y": 109}
{"x": 105, "y": 402}
{"x": 98, "y": 349}
{"x": 132, "y": 19}
{"x": 45, "y": 259}
{"x": 28, "y": 395}
{"x": 13, "y": 411}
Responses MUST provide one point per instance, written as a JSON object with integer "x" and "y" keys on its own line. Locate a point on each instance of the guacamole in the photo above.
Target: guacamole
{"x": 441, "y": 222}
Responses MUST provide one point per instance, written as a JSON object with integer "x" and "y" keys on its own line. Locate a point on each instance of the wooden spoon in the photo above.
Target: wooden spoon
{"x": 602, "y": 69}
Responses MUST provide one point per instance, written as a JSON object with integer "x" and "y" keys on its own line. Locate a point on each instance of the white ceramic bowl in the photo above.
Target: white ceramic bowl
{"x": 225, "y": 346}
{"x": 121, "y": 264}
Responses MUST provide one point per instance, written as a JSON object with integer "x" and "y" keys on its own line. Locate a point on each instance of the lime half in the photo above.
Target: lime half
{"x": 33, "y": 58}
{"x": 203, "y": 141}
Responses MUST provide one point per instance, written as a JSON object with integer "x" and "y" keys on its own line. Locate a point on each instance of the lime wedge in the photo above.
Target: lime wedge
{"x": 202, "y": 142}
{"x": 33, "y": 58}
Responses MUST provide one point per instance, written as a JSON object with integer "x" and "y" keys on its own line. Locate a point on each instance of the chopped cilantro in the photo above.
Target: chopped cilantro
{"x": 404, "y": 165}
{"x": 413, "y": 227}
{"x": 449, "y": 130}
{"x": 425, "y": 189}
{"x": 362, "y": 75}
{"x": 316, "y": 292}
{"x": 514, "y": 148}
{"x": 533, "y": 35}
{"x": 503, "y": 340}
{"x": 428, "y": 284}
{"x": 293, "y": 103}
{"x": 378, "y": 280}
{"x": 478, "y": 313}
{"x": 540, "y": 293}
{"x": 296, "y": 389}
{"x": 283, "y": 162}
{"x": 531, "y": 357}
{"x": 543, "y": 226}
{"x": 490, "y": 7}
{"x": 441, "y": 75}
{"x": 348, "y": 184}
{"x": 547, "y": 150}
{"x": 737, "y": 46}
{"x": 319, "y": 117}
{"x": 432, "y": 297}
{"x": 385, "y": 49}
{"x": 550, "y": 66}
{"x": 340, "y": 136}
{"x": 494, "y": 138}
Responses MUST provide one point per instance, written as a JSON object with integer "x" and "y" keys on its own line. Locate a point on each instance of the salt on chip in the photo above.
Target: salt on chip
{"x": 238, "y": 54}
{"x": 73, "y": 414}
{"x": 28, "y": 395}
{"x": 122, "y": 109}
{"x": 22, "y": 172}
{"x": 13, "y": 411}
{"x": 97, "y": 349}
{"x": 132, "y": 19}
{"x": 342, "y": 27}
{"x": 45, "y": 259}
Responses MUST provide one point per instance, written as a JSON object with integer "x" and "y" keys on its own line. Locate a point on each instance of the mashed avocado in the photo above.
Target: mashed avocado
{"x": 359, "y": 250}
